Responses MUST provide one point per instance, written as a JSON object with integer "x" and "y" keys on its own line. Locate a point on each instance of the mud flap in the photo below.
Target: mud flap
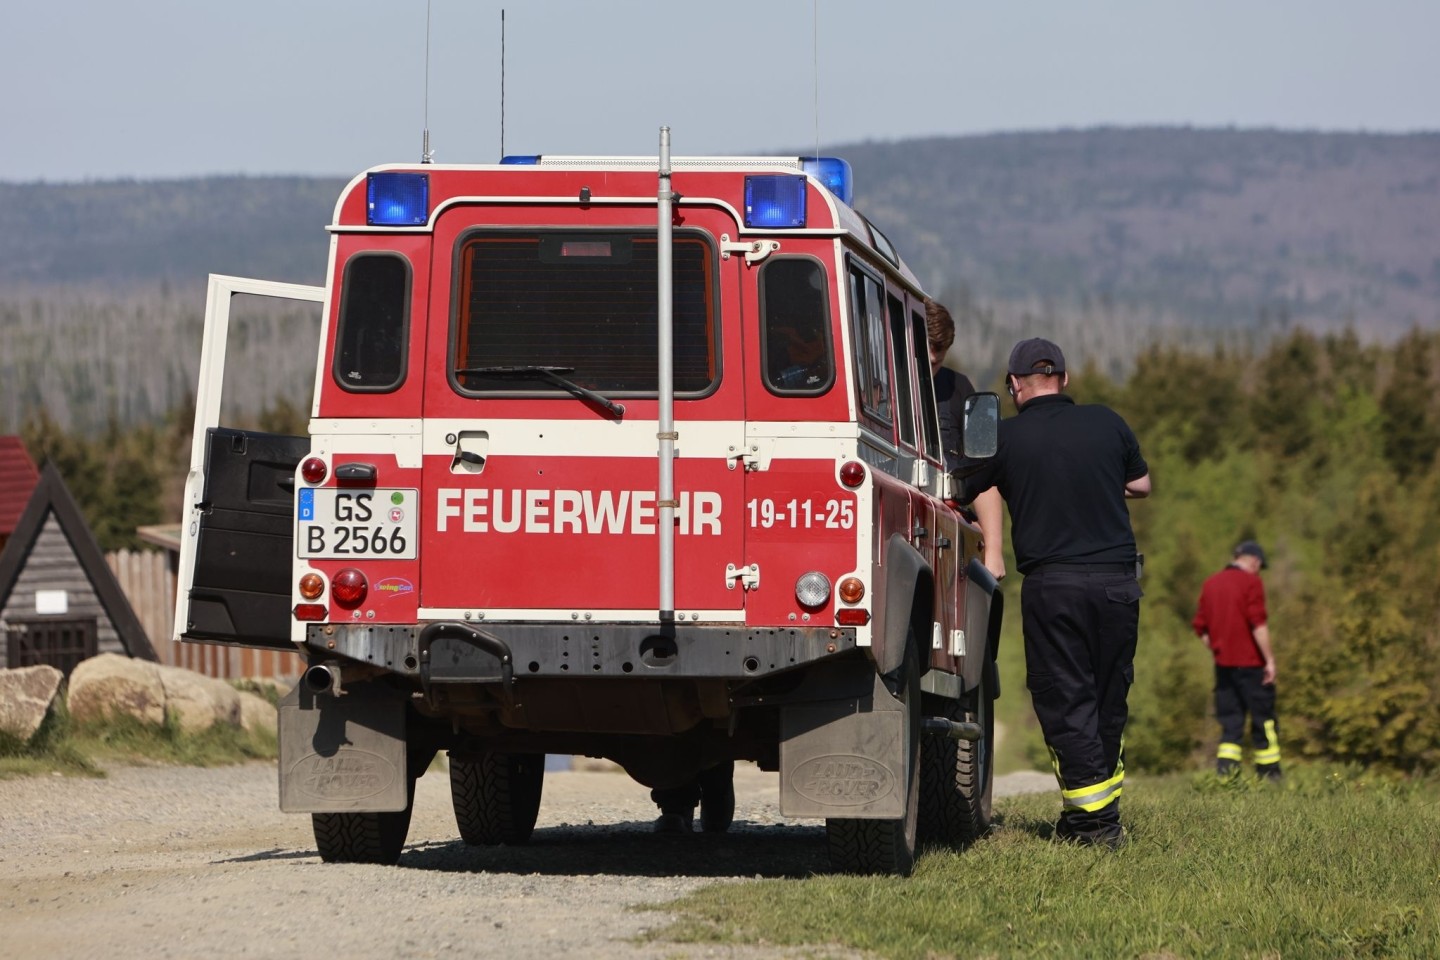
{"x": 342, "y": 754}
{"x": 844, "y": 758}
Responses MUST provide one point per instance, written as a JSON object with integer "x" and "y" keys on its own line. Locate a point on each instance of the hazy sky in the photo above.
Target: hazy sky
{"x": 102, "y": 89}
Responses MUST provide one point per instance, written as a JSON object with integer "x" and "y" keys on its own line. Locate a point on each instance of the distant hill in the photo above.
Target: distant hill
{"x": 1210, "y": 226}
{"x": 1106, "y": 239}
{"x": 137, "y": 233}
{"x": 1207, "y": 226}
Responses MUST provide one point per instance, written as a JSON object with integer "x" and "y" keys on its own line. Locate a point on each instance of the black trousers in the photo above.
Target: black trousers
{"x": 1080, "y": 633}
{"x": 1239, "y": 691}
{"x": 684, "y": 798}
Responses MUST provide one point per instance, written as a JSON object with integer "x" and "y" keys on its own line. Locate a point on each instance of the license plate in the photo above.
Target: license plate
{"x": 337, "y": 524}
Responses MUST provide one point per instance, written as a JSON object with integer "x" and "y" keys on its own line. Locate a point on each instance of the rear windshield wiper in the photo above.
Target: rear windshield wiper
{"x": 550, "y": 375}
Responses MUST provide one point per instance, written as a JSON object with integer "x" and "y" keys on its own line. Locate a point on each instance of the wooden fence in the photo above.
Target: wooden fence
{"x": 149, "y": 584}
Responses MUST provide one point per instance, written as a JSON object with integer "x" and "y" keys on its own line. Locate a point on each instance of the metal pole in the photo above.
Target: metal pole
{"x": 665, "y": 498}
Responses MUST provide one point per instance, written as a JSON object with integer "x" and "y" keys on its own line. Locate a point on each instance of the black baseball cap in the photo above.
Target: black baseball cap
{"x": 1035, "y": 352}
{"x": 1251, "y": 548}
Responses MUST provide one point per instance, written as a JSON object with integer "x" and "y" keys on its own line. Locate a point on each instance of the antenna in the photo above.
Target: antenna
{"x": 426, "y": 154}
{"x": 815, "y": 61}
{"x": 502, "y": 83}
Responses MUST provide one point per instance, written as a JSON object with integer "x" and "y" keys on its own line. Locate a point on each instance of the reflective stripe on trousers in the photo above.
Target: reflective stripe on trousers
{"x": 1271, "y": 752}
{"x": 1094, "y": 797}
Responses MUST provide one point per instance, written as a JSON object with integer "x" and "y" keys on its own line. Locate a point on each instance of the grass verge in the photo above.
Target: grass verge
{"x": 126, "y": 739}
{"x": 52, "y": 749}
{"x": 1330, "y": 864}
{"x": 66, "y": 747}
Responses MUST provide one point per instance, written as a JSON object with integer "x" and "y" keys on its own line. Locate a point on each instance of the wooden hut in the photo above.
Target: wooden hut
{"x": 59, "y": 601}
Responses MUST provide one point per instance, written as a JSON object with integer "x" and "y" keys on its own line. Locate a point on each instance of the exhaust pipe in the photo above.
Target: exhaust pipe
{"x": 323, "y": 678}
{"x": 955, "y": 730}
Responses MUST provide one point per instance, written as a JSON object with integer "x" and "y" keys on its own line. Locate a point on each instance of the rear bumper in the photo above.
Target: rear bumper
{"x": 448, "y": 652}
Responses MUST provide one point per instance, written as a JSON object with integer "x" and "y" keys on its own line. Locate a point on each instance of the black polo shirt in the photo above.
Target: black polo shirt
{"x": 951, "y": 389}
{"x": 1062, "y": 469}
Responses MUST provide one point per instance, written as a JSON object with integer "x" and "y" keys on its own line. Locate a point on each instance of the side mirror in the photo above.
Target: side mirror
{"x": 981, "y": 429}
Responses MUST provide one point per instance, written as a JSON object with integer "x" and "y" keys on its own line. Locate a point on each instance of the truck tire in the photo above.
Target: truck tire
{"x": 497, "y": 797}
{"x": 363, "y": 837}
{"x": 717, "y": 797}
{"x": 975, "y": 764}
{"x": 957, "y": 776}
{"x": 886, "y": 846}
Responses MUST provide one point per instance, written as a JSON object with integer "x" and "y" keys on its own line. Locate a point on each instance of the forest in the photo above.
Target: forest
{"x": 1319, "y": 446}
{"x": 1323, "y": 449}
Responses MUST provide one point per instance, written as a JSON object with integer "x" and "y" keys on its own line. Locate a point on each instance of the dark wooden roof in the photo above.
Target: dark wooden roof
{"x": 165, "y": 535}
{"x": 51, "y": 494}
{"x": 18, "y": 477}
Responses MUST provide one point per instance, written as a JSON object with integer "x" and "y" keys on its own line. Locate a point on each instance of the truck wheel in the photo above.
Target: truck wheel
{"x": 497, "y": 797}
{"x": 363, "y": 837}
{"x": 956, "y": 776}
{"x": 975, "y": 765}
{"x": 886, "y": 846}
{"x": 717, "y": 797}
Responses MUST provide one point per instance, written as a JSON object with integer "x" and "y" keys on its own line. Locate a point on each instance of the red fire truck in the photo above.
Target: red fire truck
{"x": 634, "y": 458}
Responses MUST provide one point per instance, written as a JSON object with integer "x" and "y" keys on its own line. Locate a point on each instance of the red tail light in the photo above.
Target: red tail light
{"x": 313, "y": 470}
{"x": 348, "y": 587}
{"x": 852, "y": 473}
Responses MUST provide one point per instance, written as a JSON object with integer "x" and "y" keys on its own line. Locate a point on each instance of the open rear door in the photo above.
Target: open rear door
{"x": 237, "y": 550}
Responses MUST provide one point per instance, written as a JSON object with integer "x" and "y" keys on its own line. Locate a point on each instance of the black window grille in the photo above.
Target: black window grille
{"x": 59, "y": 642}
{"x": 586, "y": 303}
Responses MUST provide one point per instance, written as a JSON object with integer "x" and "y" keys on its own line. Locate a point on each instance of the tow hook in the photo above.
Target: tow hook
{"x": 955, "y": 730}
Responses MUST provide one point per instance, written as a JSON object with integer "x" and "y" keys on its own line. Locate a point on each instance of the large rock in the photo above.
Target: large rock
{"x": 25, "y": 698}
{"x": 198, "y": 701}
{"x": 109, "y": 685}
{"x": 257, "y": 713}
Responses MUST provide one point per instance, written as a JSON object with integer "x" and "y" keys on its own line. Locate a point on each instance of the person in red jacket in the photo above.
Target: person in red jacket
{"x": 1231, "y": 619}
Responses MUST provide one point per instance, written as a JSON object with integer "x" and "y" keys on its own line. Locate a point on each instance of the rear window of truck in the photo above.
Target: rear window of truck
{"x": 374, "y": 317}
{"x": 797, "y": 355}
{"x": 582, "y": 303}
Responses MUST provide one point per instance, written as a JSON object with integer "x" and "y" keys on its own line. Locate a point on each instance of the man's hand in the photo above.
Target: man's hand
{"x": 1138, "y": 489}
{"x": 1262, "y": 642}
{"x": 995, "y": 562}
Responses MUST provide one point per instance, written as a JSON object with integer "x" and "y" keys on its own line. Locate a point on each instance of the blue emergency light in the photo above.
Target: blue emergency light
{"x": 835, "y": 173}
{"x": 397, "y": 199}
{"x": 520, "y": 159}
{"x": 776, "y": 201}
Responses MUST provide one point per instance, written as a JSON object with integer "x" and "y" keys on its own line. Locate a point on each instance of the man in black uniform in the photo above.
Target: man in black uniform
{"x": 1065, "y": 472}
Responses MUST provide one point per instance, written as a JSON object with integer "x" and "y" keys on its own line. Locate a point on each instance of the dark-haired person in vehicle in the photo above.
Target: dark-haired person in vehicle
{"x": 1065, "y": 470}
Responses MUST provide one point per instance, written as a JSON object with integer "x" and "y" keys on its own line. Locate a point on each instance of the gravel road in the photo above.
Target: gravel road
{"x": 156, "y": 862}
